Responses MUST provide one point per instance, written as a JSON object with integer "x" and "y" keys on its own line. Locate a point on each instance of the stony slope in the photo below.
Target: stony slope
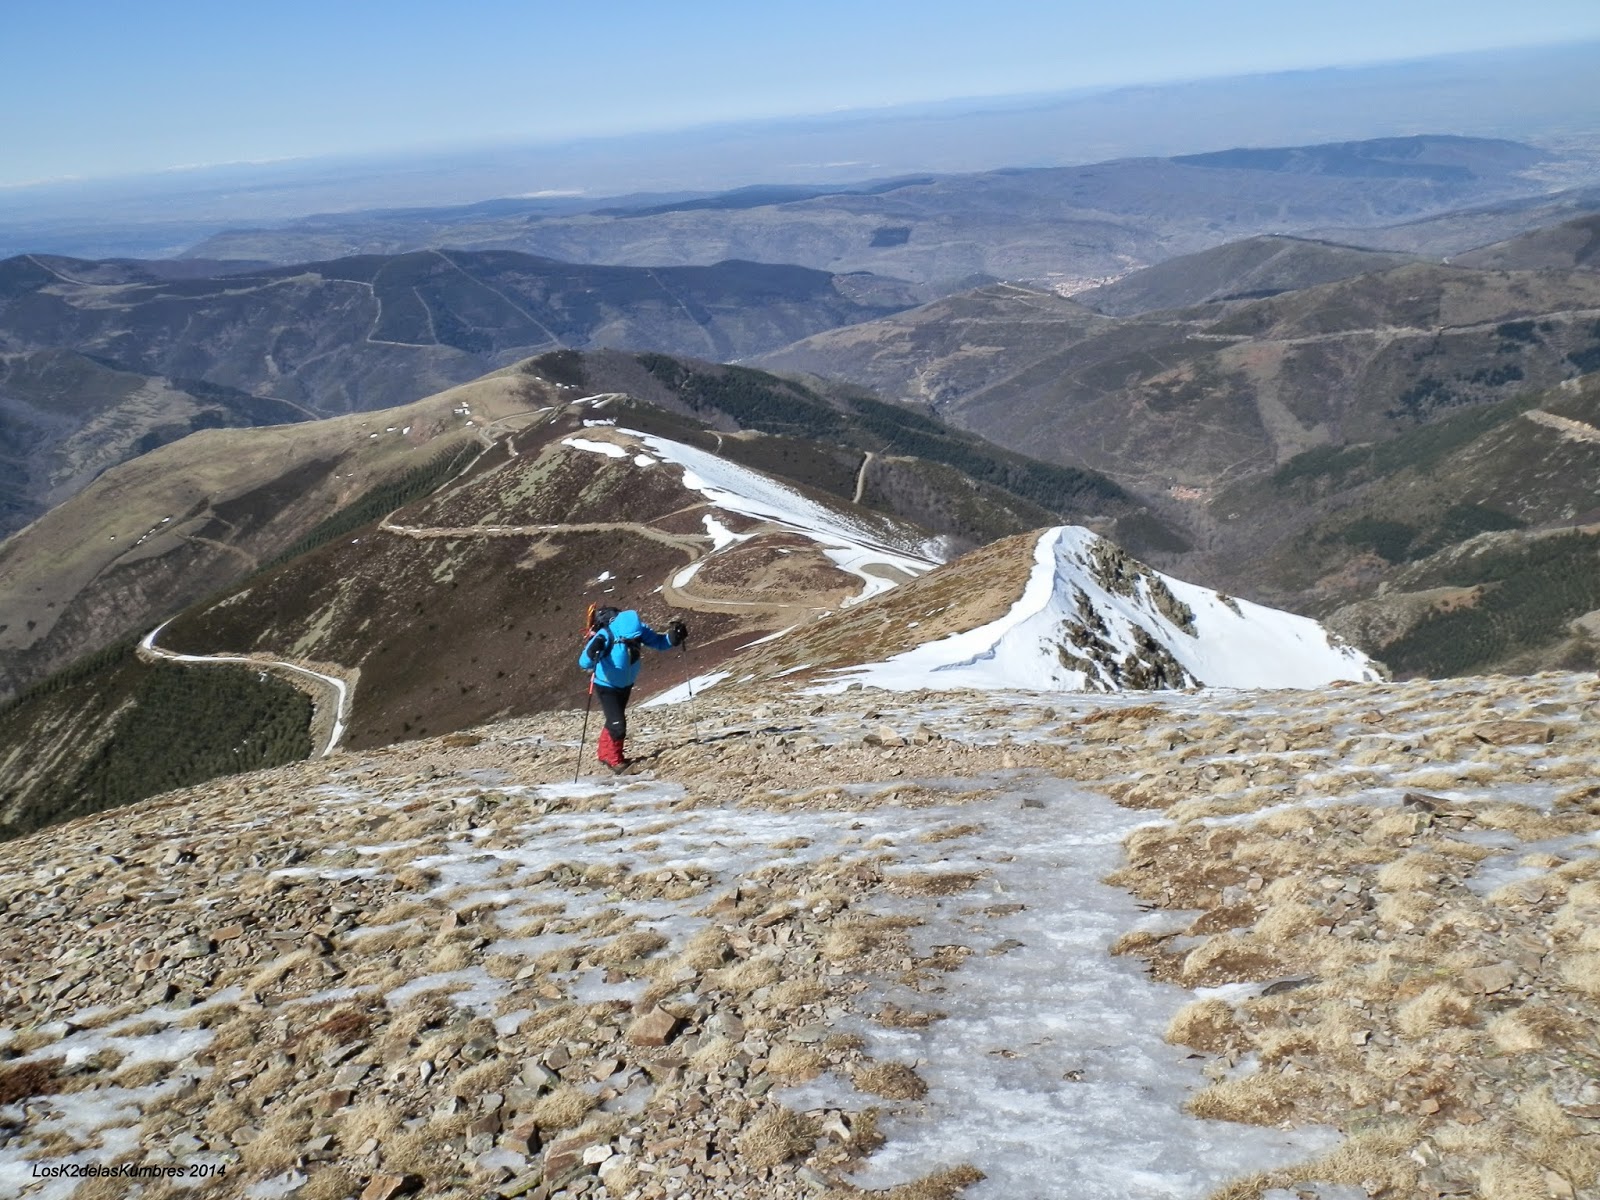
{"x": 801, "y": 961}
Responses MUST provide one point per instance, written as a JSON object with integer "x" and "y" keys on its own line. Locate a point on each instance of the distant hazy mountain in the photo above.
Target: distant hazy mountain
{"x": 1537, "y": 93}
{"x": 377, "y": 331}
{"x": 1200, "y": 396}
{"x": 1246, "y": 270}
{"x": 1068, "y": 224}
{"x": 1474, "y": 226}
{"x": 65, "y": 418}
{"x": 1573, "y": 243}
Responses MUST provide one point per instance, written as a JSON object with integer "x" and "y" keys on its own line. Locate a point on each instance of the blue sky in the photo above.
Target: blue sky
{"x": 92, "y": 88}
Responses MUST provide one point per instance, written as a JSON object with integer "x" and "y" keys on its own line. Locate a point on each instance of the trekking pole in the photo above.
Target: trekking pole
{"x": 683, "y": 648}
{"x": 584, "y": 736}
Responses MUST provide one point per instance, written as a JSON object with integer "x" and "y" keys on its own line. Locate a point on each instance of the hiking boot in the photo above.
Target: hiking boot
{"x": 610, "y": 750}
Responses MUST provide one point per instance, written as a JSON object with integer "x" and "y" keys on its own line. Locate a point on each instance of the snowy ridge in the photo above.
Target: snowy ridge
{"x": 853, "y": 546}
{"x": 1092, "y": 619}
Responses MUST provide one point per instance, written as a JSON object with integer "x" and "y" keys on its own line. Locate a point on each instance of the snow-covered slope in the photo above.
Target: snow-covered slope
{"x": 1091, "y": 618}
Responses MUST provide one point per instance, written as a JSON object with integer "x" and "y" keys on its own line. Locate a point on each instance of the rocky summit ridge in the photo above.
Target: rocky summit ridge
{"x": 1075, "y": 613}
{"x": 1207, "y": 943}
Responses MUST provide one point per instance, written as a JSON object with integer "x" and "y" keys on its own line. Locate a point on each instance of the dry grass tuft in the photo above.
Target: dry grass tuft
{"x": 1207, "y": 1025}
{"x": 329, "y": 1183}
{"x": 1254, "y": 1100}
{"x": 1284, "y": 922}
{"x": 892, "y": 1081}
{"x": 1368, "y": 1157}
{"x": 416, "y": 1151}
{"x": 941, "y": 1185}
{"x": 1505, "y": 1177}
{"x": 714, "y": 1055}
{"x": 795, "y": 992}
{"x": 850, "y": 939}
{"x": 372, "y": 1119}
{"x": 276, "y": 970}
{"x": 280, "y": 1145}
{"x": 565, "y": 1108}
{"x": 1581, "y": 972}
{"x": 1227, "y": 958}
{"x": 794, "y": 1063}
{"x": 630, "y": 947}
{"x": 933, "y": 883}
{"x": 950, "y": 832}
{"x": 30, "y": 1079}
{"x": 774, "y": 1137}
{"x": 493, "y": 1075}
{"x": 1250, "y": 1187}
{"x": 1439, "y": 1007}
{"x": 1415, "y": 870}
{"x": 137, "y": 1076}
{"x": 706, "y": 950}
{"x": 743, "y": 978}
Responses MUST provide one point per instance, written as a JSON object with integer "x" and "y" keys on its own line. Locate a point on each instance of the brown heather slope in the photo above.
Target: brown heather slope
{"x": 442, "y": 968}
{"x": 174, "y": 525}
{"x": 977, "y": 588}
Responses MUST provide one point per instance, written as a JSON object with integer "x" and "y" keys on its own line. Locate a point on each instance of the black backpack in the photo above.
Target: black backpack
{"x": 601, "y": 618}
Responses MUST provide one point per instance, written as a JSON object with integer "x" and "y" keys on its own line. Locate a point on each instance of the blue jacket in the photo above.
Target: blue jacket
{"x": 614, "y": 666}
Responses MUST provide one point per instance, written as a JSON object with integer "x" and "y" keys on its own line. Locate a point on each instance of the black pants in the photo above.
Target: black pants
{"x": 614, "y": 703}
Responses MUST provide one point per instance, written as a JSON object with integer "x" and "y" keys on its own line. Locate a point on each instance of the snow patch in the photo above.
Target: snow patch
{"x": 686, "y": 691}
{"x": 609, "y": 449}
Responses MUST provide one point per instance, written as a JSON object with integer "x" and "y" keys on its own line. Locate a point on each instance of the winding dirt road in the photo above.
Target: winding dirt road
{"x": 334, "y": 720}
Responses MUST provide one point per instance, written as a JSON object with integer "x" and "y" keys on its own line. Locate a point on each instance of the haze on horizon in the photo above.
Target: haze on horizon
{"x": 110, "y": 89}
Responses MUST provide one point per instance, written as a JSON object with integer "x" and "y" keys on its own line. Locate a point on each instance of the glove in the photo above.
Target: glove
{"x": 596, "y": 648}
{"x": 677, "y": 633}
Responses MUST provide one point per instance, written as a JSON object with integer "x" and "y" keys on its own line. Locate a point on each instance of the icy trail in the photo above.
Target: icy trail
{"x": 1049, "y": 1072}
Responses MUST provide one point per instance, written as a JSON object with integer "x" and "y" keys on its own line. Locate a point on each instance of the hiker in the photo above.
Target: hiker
{"x": 612, "y": 653}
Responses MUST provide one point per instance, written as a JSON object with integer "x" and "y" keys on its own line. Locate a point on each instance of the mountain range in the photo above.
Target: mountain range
{"x": 1065, "y": 225}
{"x": 100, "y": 361}
{"x": 1203, "y": 395}
{"x": 1250, "y": 416}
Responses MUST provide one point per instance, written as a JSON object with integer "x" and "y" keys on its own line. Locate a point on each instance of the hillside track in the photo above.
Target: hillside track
{"x": 332, "y": 686}
{"x": 332, "y": 695}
